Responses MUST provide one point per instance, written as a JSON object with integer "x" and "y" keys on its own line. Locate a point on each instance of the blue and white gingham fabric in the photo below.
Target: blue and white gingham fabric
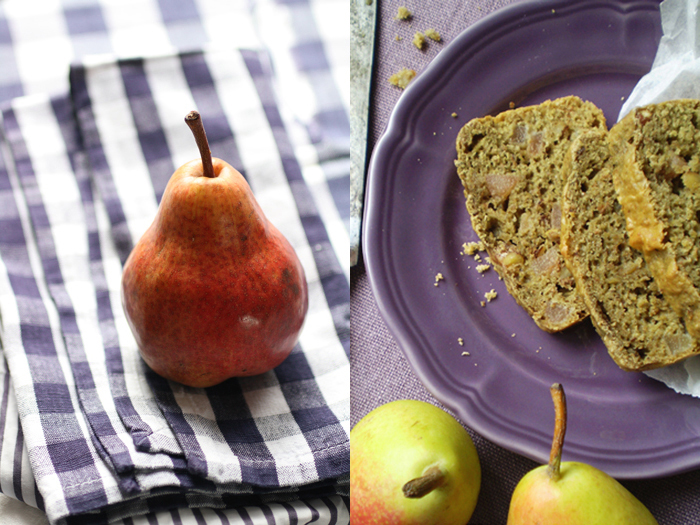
{"x": 88, "y": 433}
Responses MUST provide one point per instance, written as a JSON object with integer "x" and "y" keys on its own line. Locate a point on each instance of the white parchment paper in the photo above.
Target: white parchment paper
{"x": 674, "y": 74}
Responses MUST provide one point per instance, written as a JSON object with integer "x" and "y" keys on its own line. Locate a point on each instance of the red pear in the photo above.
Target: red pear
{"x": 212, "y": 290}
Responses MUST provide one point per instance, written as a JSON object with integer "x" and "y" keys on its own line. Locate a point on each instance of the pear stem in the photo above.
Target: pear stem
{"x": 194, "y": 121}
{"x": 554, "y": 467}
{"x": 431, "y": 479}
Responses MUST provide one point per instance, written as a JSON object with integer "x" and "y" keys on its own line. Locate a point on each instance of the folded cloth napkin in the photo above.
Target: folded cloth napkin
{"x": 105, "y": 437}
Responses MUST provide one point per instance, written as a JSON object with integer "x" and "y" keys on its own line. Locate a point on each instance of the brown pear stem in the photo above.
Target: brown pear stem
{"x": 194, "y": 121}
{"x": 554, "y": 467}
{"x": 431, "y": 479}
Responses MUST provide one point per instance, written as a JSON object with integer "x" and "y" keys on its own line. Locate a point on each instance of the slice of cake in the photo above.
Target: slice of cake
{"x": 511, "y": 168}
{"x": 658, "y": 185}
{"x": 638, "y": 326}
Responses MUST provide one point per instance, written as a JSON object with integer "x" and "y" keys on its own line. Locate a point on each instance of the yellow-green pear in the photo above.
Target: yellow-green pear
{"x": 572, "y": 493}
{"x": 412, "y": 463}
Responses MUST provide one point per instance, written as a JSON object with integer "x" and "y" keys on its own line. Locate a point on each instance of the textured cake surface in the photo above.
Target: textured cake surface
{"x": 511, "y": 168}
{"x": 658, "y": 184}
{"x": 638, "y": 326}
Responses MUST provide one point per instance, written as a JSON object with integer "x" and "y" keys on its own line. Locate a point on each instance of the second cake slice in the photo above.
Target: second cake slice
{"x": 637, "y": 324}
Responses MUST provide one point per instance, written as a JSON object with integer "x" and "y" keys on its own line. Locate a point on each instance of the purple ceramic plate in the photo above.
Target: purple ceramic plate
{"x": 415, "y": 224}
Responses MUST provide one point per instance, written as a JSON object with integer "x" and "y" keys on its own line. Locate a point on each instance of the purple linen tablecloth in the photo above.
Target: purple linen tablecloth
{"x": 380, "y": 372}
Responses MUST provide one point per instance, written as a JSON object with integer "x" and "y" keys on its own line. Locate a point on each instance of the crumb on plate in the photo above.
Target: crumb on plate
{"x": 481, "y": 268}
{"x": 470, "y": 248}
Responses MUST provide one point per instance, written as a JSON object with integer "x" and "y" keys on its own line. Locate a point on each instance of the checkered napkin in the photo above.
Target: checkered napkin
{"x": 106, "y": 438}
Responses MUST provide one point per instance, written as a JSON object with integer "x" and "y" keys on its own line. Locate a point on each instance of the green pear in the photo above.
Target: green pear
{"x": 572, "y": 493}
{"x": 412, "y": 463}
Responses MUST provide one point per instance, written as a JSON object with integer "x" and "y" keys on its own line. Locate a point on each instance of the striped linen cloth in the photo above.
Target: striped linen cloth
{"x": 89, "y": 434}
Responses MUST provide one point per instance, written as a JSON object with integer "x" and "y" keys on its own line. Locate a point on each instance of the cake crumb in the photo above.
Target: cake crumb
{"x": 454, "y": 114}
{"x": 483, "y": 303}
{"x": 470, "y": 248}
{"x": 512, "y": 335}
{"x": 511, "y": 105}
{"x": 466, "y": 353}
{"x": 439, "y": 277}
{"x": 491, "y": 295}
{"x": 433, "y": 35}
{"x": 402, "y": 78}
{"x": 477, "y": 257}
{"x": 419, "y": 40}
{"x": 460, "y": 341}
{"x": 398, "y": 38}
{"x": 481, "y": 268}
{"x": 403, "y": 14}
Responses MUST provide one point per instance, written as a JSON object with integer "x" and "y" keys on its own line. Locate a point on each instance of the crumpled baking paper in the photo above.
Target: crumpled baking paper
{"x": 674, "y": 74}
